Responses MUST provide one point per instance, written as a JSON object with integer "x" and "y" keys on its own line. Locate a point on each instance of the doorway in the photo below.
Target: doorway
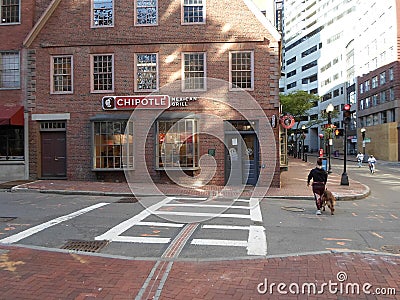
{"x": 241, "y": 154}
{"x": 53, "y": 158}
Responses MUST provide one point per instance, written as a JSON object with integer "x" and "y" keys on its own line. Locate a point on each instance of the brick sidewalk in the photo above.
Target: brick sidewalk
{"x": 38, "y": 274}
{"x": 293, "y": 185}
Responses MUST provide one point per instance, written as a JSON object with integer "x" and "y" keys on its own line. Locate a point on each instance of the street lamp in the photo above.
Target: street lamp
{"x": 363, "y": 142}
{"x": 329, "y": 111}
{"x": 346, "y": 121}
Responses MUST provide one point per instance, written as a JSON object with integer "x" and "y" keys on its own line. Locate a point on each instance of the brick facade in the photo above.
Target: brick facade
{"x": 225, "y": 30}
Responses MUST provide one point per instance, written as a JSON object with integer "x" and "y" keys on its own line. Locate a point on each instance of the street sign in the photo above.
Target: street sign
{"x": 367, "y": 140}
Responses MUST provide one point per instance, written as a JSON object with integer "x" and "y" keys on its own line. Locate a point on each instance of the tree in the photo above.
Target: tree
{"x": 298, "y": 104}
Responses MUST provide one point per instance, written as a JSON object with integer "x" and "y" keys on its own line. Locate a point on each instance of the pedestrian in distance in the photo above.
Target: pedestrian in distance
{"x": 360, "y": 159}
{"x": 371, "y": 163}
{"x": 319, "y": 178}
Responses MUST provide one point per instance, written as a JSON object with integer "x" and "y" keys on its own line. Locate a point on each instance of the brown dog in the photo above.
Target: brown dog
{"x": 328, "y": 199}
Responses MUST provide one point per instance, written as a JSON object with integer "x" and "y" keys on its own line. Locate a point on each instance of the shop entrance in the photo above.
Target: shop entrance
{"x": 53, "y": 157}
{"x": 241, "y": 156}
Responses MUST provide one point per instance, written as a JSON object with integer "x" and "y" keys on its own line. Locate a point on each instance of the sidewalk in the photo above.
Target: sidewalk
{"x": 293, "y": 186}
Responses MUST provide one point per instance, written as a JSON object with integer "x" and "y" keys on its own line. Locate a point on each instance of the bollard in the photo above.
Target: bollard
{"x": 305, "y": 157}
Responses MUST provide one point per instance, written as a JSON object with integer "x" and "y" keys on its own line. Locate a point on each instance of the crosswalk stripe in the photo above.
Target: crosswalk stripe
{"x": 212, "y": 242}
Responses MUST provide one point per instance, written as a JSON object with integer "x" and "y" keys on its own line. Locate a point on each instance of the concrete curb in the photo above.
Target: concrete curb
{"x": 363, "y": 195}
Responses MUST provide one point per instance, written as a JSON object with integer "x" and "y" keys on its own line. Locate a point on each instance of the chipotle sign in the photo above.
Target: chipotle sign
{"x": 135, "y": 102}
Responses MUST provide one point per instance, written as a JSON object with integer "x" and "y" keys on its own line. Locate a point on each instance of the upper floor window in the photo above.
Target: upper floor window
{"x": 382, "y": 78}
{"x": 146, "y": 72}
{"x": 146, "y": 12}
{"x": 361, "y": 88}
{"x": 194, "y": 71}
{"x": 367, "y": 86}
{"x": 9, "y": 70}
{"x": 102, "y": 75}
{"x": 193, "y": 11}
{"x": 391, "y": 75}
{"x": 241, "y": 75}
{"x": 61, "y": 74}
{"x": 374, "y": 82}
{"x": 9, "y": 11}
{"x": 102, "y": 13}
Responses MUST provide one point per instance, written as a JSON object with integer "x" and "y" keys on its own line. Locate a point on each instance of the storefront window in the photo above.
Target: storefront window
{"x": 178, "y": 144}
{"x": 112, "y": 145}
{"x": 11, "y": 142}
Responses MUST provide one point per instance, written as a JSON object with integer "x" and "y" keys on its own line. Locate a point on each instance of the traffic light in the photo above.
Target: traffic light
{"x": 347, "y": 113}
{"x": 339, "y": 132}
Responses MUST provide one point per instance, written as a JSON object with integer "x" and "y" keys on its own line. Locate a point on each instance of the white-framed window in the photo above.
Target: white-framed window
{"x": 193, "y": 11}
{"x": 361, "y": 88}
{"x": 146, "y": 12}
{"x": 112, "y": 145}
{"x": 146, "y": 72}
{"x": 374, "y": 82}
{"x": 194, "y": 71}
{"x": 10, "y": 11}
{"x": 178, "y": 144}
{"x": 102, "y": 13}
{"x": 102, "y": 73}
{"x": 61, "y": 74}
{"x": 367, "y": 86}
{"x": 10, "y": 70}
{"x": 382, "y": 97}
{"x": 391, "y": 75}
{"x": 391, "y": 94}
{"x": 375, "y": 100}
{"x": 241, "y": 70}
{"x": 382, "y": 78}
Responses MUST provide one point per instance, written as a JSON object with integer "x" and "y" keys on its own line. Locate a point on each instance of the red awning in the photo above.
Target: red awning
{"x": 11, "y": 115}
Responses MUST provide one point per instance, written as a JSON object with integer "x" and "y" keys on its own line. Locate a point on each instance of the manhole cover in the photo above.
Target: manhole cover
{"x": 395, "y": 249}
{"x": 86, "y": 246}
{"x": 291, "y": 208}
{"x": 127, "y": 200}
{"x": 7, "y": 219}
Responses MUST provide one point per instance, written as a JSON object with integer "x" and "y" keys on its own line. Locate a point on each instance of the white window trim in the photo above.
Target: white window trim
{"x": 231, "y": 88}
{"x": 52, "y": 73}
{"x": 18, "y": 53}
{"x": 144, "y": 25}
{"x": 135, "y": 73}
{"x": 193, "y": 23}
{"x": 19, "y": 15}
{"x": 92, "y": 16}
{"x": 183, "y": 72}
{"x": 92, "y": 77}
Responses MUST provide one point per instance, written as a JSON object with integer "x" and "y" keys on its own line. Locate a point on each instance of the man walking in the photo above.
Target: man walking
{"x": 319, "y": 177}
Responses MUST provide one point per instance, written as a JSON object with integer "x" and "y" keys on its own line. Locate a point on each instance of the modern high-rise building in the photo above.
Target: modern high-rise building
{"x": 338, "y": 49}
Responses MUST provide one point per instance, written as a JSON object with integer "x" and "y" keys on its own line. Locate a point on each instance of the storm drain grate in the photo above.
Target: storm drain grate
{"x": 86, "y": 246}
{"x": 127, "y": 200}
{"x": 7, "y": 219}
{"x": 394, "y": 249}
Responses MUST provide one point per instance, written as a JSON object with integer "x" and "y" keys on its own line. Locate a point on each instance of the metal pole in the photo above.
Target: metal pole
{"x": 345, "y": 179}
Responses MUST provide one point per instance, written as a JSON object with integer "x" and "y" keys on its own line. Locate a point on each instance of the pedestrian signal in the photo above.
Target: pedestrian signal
{"x": 339, "y": 132}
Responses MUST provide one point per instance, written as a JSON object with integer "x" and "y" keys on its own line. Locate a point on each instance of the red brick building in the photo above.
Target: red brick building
{"x": 209, "y": 68}
{"x": 16, "y": 20}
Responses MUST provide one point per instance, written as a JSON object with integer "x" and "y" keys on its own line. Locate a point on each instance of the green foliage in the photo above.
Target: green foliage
{"x": 297, "y": 103}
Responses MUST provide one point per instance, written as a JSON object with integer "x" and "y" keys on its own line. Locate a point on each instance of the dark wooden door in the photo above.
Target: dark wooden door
{"x": 54, "y": 154}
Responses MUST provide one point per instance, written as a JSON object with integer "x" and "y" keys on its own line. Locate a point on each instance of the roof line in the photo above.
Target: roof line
{"x": 41, "y": 22}
{"x": 264, "y": 20}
